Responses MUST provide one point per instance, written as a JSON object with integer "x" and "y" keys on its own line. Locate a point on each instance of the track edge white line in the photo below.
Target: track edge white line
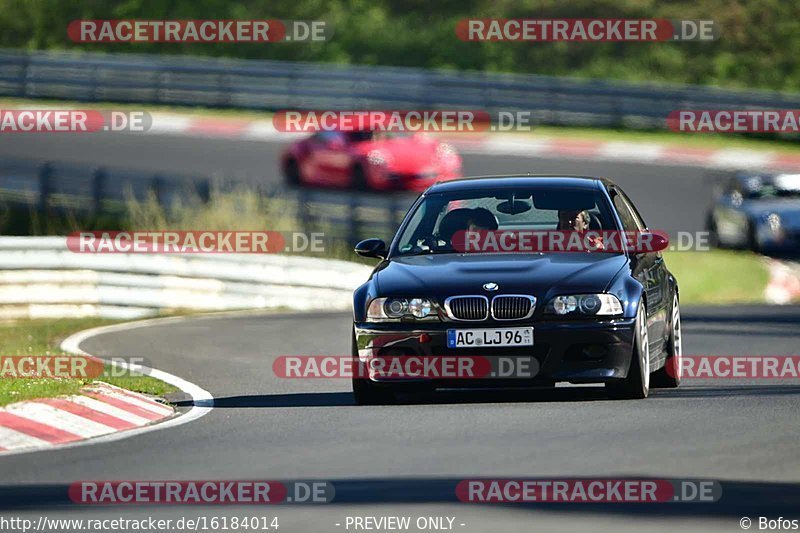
{"x": 202, "y": 400}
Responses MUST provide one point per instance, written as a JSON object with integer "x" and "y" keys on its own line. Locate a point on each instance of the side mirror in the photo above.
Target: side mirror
{"x": 650, "y": 241}
{"x": 371, "y": 248}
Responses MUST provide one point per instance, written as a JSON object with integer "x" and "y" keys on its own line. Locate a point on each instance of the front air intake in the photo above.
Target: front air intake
{"x": 467, "y": 308}
{"x": 512, "y": 307}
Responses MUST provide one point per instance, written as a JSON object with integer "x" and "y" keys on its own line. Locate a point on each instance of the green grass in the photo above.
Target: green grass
{"x": 42, "y": 337}
{"x": 718, "y": 277}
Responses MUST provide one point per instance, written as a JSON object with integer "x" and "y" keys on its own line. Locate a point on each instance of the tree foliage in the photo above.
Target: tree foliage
{"x": 757, "y": 47}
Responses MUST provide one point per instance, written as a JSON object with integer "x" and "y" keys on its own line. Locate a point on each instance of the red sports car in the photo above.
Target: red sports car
{"x": 370, "y": 160}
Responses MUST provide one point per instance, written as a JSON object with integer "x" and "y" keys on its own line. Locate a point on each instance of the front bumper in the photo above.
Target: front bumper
{"x": 787, "y": 241}
{"x": 575, "y": 351}
{"x": 412, "y": 181}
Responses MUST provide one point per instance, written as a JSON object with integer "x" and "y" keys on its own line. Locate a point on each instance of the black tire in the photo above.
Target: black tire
{"x": 637, "y": 385}
{"x": 359, "y": 178}
{"x": 367, "y": 393}
{"x": 669, "y": 376}
{"x": 713, "y": 236}
{"x": 291, "y": 172}
{"x": 752, "y": 240}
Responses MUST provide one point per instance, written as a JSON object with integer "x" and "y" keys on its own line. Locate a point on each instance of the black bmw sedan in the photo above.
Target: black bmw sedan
{"x": 602, "y": 314}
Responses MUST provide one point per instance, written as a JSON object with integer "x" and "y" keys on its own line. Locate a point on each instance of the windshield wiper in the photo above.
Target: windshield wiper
{"x": 429, "y": 251}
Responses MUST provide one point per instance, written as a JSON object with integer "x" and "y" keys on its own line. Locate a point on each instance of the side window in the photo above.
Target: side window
{"x": 407, "y": 240}
{"x": 634, "y": 212}
{"x": 625, "y": 213}
{"x": 325, "y": 137}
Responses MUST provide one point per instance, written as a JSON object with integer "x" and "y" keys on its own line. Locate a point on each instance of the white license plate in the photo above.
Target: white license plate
{"x": 489, "y": 338}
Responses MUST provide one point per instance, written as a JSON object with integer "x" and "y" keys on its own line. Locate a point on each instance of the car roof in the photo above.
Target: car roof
{"x": 519, "y": 180}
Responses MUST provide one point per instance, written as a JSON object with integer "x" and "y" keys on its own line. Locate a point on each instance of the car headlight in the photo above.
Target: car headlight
{"x": 774, "y": 222}
{"x": 585, "y": 305}
{"x": 387, "y": 309}
{"x": 445, "y": 151}
{"x": 377, "y": 158}
{"x": 428, "y": 174}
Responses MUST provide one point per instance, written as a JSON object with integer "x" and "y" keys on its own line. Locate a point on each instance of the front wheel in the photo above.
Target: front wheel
{"x": 291, "y": 172}
{"x": 669, "y": 376}
{"x": 637, "y": 385}
{"x": 359, "y": 178}
{"x": 367, "y": 393}
{"x": 752, "y": 239}
{"x": 713, "y": 235}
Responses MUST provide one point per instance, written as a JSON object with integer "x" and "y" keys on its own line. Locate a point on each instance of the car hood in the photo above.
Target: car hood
{"x": 405, "y": 154}
{"x": 787, "y": 208}
{"x": 542, "y": 276}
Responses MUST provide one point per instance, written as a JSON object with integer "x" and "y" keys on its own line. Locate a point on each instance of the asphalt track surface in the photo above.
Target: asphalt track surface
{"x": 671, "y": 198}
{"x": 406, "y": 459}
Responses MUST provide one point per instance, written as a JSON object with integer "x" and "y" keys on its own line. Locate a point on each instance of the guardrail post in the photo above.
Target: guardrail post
{"x": 394, "y": 215}
{"x": 203, "y": 189}
{"x": 157, "y": 188}
{"x": 45, "y": 186}
{"x": 291, "y": 88}
{"x": 159, "y": 84}
{"x": 552, "y": 92}
{"x": 619, "y": 115}
{"x": 224, "y": 91}
{"x": 302, "y": 211}
{"x": 94, "y": 91}
{"x": 98, "y": 189}
{"x": 352, "y": 221}
{"x": 23, "y": 78}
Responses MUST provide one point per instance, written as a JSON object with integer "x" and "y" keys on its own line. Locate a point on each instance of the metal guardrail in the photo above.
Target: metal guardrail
{"x": 272, "y": 85}
{"x": 70, "y": 188}
{"x": 40, "y": 277}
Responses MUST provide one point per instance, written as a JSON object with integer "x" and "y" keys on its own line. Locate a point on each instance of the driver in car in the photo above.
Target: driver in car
{"x": 465, "y": 219}
{"x": 573, "y": 220}
{"x": 580, "y": 221}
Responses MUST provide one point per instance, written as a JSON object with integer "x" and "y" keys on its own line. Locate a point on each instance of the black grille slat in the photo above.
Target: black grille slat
{"x": 469, "y": 308}
{"x": 503, "y": 307}
{"x": 511, "y": 307}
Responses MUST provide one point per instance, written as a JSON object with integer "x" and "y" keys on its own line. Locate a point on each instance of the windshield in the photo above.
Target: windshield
{"x": 781, "y": 186}
{"x": 374, "y": 135}
{"x": 440, "y": 216}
